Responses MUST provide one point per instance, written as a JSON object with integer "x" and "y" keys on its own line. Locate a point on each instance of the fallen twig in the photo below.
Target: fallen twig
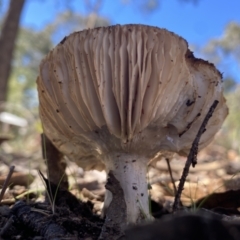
{"x": 192, "y": 156}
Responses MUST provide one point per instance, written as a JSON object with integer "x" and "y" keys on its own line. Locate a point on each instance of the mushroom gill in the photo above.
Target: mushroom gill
{"x": 114, "y": 97}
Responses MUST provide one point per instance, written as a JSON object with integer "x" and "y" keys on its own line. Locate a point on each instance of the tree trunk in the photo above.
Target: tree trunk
{"x": 7, "y": 43}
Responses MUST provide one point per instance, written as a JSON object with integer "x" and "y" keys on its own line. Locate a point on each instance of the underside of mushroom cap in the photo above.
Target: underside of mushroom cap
{"x": 130, "y": 88}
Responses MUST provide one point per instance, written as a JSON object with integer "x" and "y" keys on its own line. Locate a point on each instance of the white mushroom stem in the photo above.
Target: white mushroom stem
{"x": 130, "y": 171}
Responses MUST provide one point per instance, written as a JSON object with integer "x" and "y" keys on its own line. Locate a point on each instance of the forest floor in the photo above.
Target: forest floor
{"x": 211, "y": 200}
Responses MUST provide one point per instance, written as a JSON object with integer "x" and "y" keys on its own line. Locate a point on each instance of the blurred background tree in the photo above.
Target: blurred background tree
{"x": 9, "y": 30}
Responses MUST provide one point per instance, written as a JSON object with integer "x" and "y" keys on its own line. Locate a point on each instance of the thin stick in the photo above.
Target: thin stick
{"x": 192, "y": 156}
{"x": 6, "y": 182}
{"x": 171, "y": 176}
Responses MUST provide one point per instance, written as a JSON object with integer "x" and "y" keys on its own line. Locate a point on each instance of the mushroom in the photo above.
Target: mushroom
{"x": 115, "y": 97}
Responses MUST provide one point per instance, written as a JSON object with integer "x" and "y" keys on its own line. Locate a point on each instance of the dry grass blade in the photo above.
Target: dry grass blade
{"x": 171, "y": 176}
{"x": 6, "y": 182}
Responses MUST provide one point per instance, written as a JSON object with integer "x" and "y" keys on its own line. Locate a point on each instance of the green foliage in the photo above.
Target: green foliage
{"x": 148, "y": 6}
{"x": 31, "y": 47}
{"x": 229, "y": 43}
{"x": 230, "y": 133}
{"x": 229, "y": 84}
{"x": 68, "y": 22}
{"x": 225, "y": 52}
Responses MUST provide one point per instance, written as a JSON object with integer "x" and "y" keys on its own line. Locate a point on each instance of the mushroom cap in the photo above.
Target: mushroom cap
{"x": 132, "y": 88}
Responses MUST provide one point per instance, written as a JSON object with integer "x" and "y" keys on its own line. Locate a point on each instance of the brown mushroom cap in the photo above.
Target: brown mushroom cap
{"x": 130, "y": 88}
